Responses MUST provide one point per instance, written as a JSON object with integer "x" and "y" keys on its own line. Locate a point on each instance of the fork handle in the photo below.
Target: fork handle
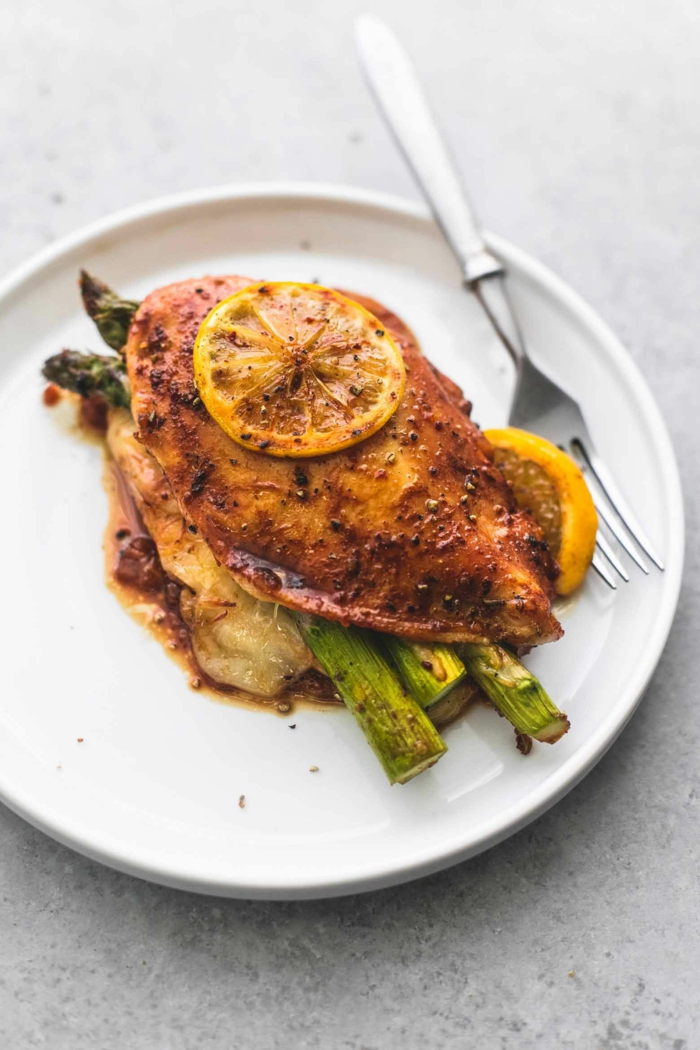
{"x": 492, "y": 293}
{"x": 400, "y": 97}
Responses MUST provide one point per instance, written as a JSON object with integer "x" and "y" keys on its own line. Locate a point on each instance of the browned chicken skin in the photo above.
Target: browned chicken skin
{"x": 412, "y": 531}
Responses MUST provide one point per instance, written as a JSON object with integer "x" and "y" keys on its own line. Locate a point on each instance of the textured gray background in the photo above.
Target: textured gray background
{"x": 578, "y": 124}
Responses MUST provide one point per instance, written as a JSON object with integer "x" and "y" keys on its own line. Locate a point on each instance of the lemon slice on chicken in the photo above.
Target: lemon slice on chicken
{"x": 548, "y": 483}
{"x": 296, "y": 369}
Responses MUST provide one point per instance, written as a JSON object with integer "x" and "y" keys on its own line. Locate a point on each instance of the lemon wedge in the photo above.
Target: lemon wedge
{"x": 548, "y": 483}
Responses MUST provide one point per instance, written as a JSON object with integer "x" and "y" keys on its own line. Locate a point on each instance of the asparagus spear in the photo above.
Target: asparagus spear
{"x": 111, "y": 314}
{"x": 401, "y": 735}
{"x": 88, "y": 374}
{"x": 515, "y": 691}
{"x": 428, "y": 672}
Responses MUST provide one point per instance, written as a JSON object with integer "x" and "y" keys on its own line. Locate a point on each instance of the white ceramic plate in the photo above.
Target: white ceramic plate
{"x": 153, "y": 788}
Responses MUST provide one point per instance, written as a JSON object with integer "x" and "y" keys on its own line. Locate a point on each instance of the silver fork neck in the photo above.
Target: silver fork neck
{"x": 492, "y": 293}
{"x": 481, "y": 264}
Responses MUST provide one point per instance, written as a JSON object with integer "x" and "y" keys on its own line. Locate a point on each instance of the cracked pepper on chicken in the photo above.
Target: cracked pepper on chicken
{"x": 318, "y": 496}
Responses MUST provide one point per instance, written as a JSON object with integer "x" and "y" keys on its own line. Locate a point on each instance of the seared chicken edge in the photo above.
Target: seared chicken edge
{"x": 237, "y": 640}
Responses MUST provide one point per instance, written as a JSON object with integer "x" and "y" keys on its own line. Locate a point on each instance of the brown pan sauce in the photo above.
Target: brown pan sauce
{"x": 136, "y": 577}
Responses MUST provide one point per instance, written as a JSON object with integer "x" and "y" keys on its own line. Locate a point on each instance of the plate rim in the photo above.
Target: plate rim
{"x": 562, "y": 780}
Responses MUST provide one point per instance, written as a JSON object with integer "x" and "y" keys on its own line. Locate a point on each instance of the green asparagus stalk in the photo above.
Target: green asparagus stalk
{"x": 111, "y": 314}
{"x": 88, "y": 374}
{"x": 515, "y": 691}
{"x": 401, "y": 735}
{"x": 428, "y": 672}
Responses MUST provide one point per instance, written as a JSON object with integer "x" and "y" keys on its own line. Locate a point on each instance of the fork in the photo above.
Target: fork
{"x": 538, "y": 403}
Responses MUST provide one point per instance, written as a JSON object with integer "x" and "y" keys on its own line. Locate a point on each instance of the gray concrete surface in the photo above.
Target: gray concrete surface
{"x": 579, "y": 126}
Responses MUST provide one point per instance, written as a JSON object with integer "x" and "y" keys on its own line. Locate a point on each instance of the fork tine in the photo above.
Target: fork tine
{"x": 599, "y": 567}
{"x": 622, "y": 538}
{"x": 619, "y": 504}
{"x": 609, "y": 553}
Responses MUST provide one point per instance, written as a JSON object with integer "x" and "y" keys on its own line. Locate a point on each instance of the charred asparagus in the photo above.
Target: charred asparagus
{"x": 88, "y": 374}
{"x": 110, "y": 312}
{"x": 515, "y": 691}
{"x": 401, "y": 735}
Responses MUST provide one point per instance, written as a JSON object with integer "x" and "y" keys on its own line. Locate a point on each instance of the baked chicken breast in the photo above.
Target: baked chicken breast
{"x": 413, "y": 531}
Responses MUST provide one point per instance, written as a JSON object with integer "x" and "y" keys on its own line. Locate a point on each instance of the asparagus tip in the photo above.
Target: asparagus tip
{"x": 89, "y": 374}
{"x": 91, "y": 291}
{"x": 112, "y": 314}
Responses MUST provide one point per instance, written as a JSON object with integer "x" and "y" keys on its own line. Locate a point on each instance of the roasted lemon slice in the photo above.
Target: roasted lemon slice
{"x": 296, "y": 369}
{"x": 547, "y": 482}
